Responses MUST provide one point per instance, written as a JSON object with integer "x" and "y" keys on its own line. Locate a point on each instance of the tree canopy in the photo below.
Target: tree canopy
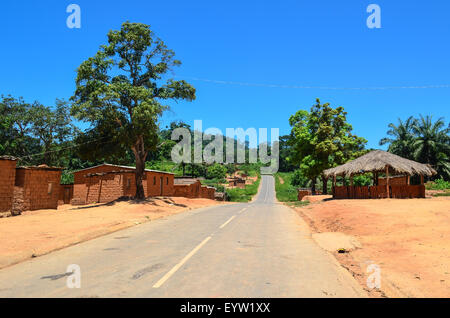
{"x": 423, "y": 140}
{"x": 121, "y": 92}
{"x": 321, "y": 139}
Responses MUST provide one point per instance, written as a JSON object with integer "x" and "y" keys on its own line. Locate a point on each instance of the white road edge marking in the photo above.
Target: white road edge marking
{"x": 225, "y": 224}
{"x": 242, "y": 210}
{"x": 181, "y": 263}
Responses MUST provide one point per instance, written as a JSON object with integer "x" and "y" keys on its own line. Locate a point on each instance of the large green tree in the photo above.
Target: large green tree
{"x": 121, "y": 92}
{"x": 322, "y": 138}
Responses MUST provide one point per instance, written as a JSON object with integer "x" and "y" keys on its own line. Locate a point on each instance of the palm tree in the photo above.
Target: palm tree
{"x": 401, "y": 138}
{"x": 432, "y": 144}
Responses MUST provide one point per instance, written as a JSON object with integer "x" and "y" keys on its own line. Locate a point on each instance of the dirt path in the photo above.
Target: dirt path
{"x": 408, "y": 239}
{"x": 40, "y": 232}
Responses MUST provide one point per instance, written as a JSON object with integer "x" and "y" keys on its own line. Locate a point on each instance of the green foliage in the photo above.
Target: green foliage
{"x": 438, "y": 184}
{"x": 297, "y": 179}
{"x": 67, "y": 177}
{"x": 321, "y": 139}
{"x": 216, "y": 171}
{"x": 244, "y": 195}
{"x": 286, "y": 191}
{"x": 121, "y": 90}
{"x": 35, "y": 133}
{"x": 362, "y": 180}
{"x": 422, "y": 140}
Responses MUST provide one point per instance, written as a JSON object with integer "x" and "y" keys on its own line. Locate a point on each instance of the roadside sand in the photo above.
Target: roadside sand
{"x": 39, "y": 232}
{"x": 409, "y": 239}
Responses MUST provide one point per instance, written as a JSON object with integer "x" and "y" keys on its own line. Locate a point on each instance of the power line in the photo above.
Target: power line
{"x": 66, "y": 148}
{"x": 313, "y": 87}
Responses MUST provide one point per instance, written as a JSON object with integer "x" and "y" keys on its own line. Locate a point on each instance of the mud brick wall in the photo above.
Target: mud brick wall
{"x": 182, "y": 190}
{"x": 204, "y": 193}
{"x": 191, "y": 191}
{"x": 7, "y": 180}
{"x": 211, "y": 193}
{"x": 159, "y": 187}
{"x": 37, "y": 188}
{"x": 303, "y": 193}
{"x": 100, "y": 189}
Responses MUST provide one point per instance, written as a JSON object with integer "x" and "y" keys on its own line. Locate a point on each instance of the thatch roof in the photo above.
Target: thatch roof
{"x": 376, "y": 161}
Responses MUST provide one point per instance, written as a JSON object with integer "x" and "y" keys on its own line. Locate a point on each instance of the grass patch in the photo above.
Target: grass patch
{"x": 286, "y": 192}
{"x": 443, "y": 194}
{"x": 297, "y": 203}
{"x": 246, "y": 194}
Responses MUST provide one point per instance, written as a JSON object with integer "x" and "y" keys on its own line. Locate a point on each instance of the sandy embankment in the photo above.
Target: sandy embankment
{"x": 40, "y": 232}
{"x": 408, "y": 239}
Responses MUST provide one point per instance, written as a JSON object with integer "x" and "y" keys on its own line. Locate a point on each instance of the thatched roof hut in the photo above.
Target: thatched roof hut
{"x": 381, "y": 161}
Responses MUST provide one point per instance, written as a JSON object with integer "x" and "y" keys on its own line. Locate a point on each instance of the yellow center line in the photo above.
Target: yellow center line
{"x": 225, "y": 224}
{"x": 181, "y": 263}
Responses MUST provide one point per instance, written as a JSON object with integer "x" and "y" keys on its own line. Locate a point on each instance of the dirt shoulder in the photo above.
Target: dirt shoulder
{"x": 39, "y": 232}
{"x": 408, "y": 239}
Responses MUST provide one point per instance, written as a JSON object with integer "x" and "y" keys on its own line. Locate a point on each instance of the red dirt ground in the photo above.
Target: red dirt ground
{"x": 409, "y": 239}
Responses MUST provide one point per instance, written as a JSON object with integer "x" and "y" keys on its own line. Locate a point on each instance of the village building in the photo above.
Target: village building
{"x": 7, "y": 180}
{"x": 36, "y": 188}
{"x": 187, "y": 187}
{"x": 236, "y": 182}
{"x": 107, "y": 182}
{"x": 381, "y": 162}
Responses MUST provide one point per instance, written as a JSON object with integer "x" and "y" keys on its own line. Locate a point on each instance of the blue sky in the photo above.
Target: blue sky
{"x": 293, "y": 43}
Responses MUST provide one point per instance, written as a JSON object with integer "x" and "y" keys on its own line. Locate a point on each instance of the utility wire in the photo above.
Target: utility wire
{"x": 313, "y": 87}
{"x": 71, "y": 147}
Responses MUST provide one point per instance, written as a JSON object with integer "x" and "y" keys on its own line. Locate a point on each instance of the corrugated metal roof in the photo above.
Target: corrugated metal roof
{"x": 124, "y": 167}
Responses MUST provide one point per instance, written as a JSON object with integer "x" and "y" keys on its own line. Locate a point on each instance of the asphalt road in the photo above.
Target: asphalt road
{"x": 260, "y": 249}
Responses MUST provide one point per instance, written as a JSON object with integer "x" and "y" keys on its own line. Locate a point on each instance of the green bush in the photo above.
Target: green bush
{"x": 439, "y": 184}
{"x": 298, "y": 180}
{"x": 216, "y": 171}
{"x": 67, "y": 177}
{"x": 362, "y": 180}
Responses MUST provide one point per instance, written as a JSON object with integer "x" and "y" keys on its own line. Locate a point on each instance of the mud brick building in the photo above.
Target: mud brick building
{"x": 208, "y": 192}
{"x": 187, "y": 187}
{"x": 36, "y": 188}
{"x": 7, "y": 180}
{"x": 236, "y": 182}
{"x": 106, "y": 183}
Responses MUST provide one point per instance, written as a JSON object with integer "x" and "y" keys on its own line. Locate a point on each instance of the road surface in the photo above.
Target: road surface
{"x": 259, "y": 249}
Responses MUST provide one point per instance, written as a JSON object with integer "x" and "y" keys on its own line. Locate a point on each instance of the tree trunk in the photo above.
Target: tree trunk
{"x": 140, "y": 154}
{"x": 324, "y": 185}
{"x": 313, "y": 186}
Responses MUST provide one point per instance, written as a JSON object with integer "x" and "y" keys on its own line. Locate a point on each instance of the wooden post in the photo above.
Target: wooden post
{"x": 409, "y": 180}
{"x": 351, "y": 180}
{"x": 334, "y": 183}
{"x": 387, "y": 182}
{"x": 421, "y": 179}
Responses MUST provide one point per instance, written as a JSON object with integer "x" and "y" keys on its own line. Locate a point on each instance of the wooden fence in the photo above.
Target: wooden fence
{"x": 379, "y": 192}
